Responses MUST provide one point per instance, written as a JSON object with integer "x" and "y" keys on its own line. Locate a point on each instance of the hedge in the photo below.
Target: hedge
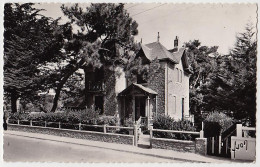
{"x": 216, "y": 123}
{"x": 168, "y": 123}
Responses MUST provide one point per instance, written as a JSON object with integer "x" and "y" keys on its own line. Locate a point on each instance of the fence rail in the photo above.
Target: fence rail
{"x": 78, "y": 124}
{"x": 176, "y": 131}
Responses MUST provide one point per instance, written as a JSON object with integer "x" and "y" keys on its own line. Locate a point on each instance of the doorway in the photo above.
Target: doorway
{"x": 139, "y": 107}
{"x": 99, "y": 104}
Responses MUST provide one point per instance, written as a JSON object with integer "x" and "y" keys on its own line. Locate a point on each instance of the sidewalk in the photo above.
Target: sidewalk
{"x": 160, "y": 153}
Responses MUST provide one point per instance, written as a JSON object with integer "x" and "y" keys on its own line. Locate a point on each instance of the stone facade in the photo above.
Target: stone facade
{"x": 171, "y": 144}
{"x": 89, "y": 135}
{"x": 157, "y": 83}
{"x": 110, "y": 100}
{"x": 198, "y": 146}
{"x": 201, "y": 146}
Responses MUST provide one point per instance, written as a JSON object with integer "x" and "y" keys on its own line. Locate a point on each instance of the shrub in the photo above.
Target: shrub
{"x": 108, "y": 120}
{"x": 129, "y": 121}
{"x": 216, "y": 123}
{"x": 18, "y": 115}
{"x": 168, "y": 123}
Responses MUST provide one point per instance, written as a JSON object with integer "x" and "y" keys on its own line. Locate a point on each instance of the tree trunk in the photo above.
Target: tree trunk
{"x": 62, "y": 82}
{"x": 14, "y": 98}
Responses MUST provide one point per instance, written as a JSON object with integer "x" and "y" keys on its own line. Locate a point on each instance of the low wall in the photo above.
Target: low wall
{"x": 89, "y": 135}
{"x": 197, "y": 146}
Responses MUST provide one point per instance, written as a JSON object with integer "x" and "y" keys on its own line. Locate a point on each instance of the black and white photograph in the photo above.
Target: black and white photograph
{"x": 128, "y": 82}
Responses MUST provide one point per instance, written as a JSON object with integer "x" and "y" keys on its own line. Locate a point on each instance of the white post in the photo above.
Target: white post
{"x": 45, "y": 124}
{"x": 149, "y": 114}
{"x": 18, "y": 122}
{"x": 219, "y": 145}
{"x": 135, "y": 135}
{"x": 201, "y": 134}
{"x": 239, "y": 130}
{"x": 105, "y": 128}
{"x": 80, "y": 126}
{"x": 59, "y": 125}
{"x": 212, "y": 147}
{"x": 30, "y": 122}
{"x": 151, "y": 135}
{"x": 202, "y": 131}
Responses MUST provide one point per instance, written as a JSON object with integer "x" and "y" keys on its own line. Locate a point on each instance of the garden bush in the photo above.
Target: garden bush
{"x": 18, "y": 115}
{"x": 168, "y": 123}
{"x": 216, "y": 123}
{"x": 108, "y": 120}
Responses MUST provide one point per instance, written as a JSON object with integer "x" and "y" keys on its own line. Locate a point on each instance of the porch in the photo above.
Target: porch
{"x": 138, "y": 103}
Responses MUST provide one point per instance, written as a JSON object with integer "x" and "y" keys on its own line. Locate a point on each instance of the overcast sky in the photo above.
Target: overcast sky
{"x": 212, "y": 24}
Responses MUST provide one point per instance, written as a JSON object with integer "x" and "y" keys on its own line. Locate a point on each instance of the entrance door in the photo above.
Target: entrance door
{"x": 99, "y": 103}
{"x": 139, "y": 107}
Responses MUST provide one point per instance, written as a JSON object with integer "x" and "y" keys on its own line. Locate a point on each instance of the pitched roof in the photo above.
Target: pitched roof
{"x": 157, "y": 50}
{"x": 138, "y": 86}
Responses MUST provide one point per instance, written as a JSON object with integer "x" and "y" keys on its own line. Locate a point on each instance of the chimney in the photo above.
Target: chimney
{"x": 176, "y": 43}
{"x": 158, "y": 37}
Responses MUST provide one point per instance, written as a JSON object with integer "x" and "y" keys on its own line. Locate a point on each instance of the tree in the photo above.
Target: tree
{"x": 104, "y": 38}
{"x": 233, "y": 85}
{"x": 30, "y": 41}
{"x": 202, "y": 65}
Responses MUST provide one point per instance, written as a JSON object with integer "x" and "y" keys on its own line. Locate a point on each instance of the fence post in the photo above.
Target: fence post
{"x": 202, "y": 130}
{"x": 45, "y": 124}
{"x": 239, "y": 130}
{"x": 135, "y": 135}
{"x": 18, "y": 122}
{"x": 105, "y": 128}
{"x": 80, "y": 126}
{"x": 212, "y": 151}
{"x": 30, "y": 122}
{"x": 59, "y": 125}
{"x": 219, "y": 145}
{"x": 151, "y": 136}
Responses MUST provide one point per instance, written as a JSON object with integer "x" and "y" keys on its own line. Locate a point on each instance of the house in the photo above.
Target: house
{"x": 167, "y": 92}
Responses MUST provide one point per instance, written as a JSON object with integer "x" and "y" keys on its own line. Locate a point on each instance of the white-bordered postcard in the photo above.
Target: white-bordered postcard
{"x": 129, "y": 82}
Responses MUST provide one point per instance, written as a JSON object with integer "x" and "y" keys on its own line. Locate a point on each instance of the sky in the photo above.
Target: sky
{"x": 211, "y": 24}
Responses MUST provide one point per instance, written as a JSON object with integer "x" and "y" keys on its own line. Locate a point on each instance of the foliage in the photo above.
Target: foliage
{"x": 216, "y": 123}
{"x": 30, "y": 41}
{"x": 168, "y": 123}
{"x": 107, "y": 120}
{"x": 88, "y": 116}
{"x": 202, "y": 64}
{"x": 232, "y": 88}
{"x": 129, "y": 121}
{"x": 20, "y": 116}
{"x": 105, "y": 37}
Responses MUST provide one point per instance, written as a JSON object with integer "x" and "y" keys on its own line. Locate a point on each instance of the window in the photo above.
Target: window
{"x": 182, "y": 108}
{"x": 172, "y": 105}
{"x": 178, "y": 75}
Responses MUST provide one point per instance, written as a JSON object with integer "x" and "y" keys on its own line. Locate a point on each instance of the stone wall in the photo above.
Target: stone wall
{"x": 95, "y": 136}
{"x": 171, "y": 144}
{"x": 201, "y": 146}
{"x": 198, "y": 146}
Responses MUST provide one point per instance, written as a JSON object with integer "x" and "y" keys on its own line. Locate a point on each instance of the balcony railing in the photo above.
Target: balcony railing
{"x": 95, "y": 86}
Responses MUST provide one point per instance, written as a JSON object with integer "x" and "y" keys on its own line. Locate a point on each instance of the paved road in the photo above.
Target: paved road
{"x": 20, "y": 148}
